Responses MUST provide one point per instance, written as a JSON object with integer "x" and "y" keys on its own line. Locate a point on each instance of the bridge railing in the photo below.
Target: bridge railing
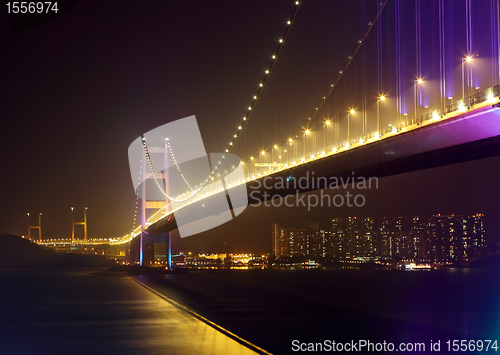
{"x": 462, "y": 105}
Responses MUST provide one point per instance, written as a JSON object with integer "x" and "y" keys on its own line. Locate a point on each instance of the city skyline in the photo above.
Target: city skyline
{"x": 437, "y": 238}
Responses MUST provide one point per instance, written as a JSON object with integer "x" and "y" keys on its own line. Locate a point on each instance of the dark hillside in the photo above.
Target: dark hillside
{"x": 17, "y": 252}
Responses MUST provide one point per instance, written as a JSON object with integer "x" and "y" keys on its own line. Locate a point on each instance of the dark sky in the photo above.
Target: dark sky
{"x": 75, "y": 92}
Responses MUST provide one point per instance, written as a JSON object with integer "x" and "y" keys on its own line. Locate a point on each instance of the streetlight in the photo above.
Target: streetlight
{"x": 349, "y": 125}
{"x": 448, "y": 108}
{"x": 85, "y": 223}
{"x": 306, "y": 132}
{"x": 272, "y": 155}
{"x": 29, "y": 225}
{"x": 261, "y": 154}
{"x": 381, "y": 98}
{"x": 72, "y": 225}
{"x": 417, "y": 94}
{"x": 296, "y": 147}
{"x": 467, "y": 59}
{"x": 40, "y": 227}
{"x": 287, "y": 155}
{"x": 327, "y": 123}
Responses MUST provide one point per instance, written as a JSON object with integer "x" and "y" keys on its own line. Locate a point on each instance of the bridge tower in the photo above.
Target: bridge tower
{"x": 73, "y": 223}
{"x": 39, "y": 227}
{"x": 153, "y": 199}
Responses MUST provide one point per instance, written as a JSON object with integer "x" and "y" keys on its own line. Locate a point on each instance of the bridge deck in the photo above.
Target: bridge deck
{"x": 468, "y": 136}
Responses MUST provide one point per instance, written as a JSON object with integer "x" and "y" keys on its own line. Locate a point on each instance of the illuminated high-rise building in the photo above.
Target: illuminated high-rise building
{"x": 279, "y": 241}
{"x": 439, "y": 238}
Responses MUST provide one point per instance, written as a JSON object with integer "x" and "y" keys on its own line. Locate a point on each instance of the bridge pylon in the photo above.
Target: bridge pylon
{"x": 39, "y": 227}
{"x": 151, "y": 201}
{"x": 73, "y": 223}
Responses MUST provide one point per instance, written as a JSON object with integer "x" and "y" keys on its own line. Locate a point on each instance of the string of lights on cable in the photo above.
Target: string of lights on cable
{"x": 177, "y": 165}
{"x": 349, "y": 60}
{"x": 260, "y": 88}
{"x": 191, "y": 194}
{"x": 274, "y": 58}
{"x": 137, "y": 194}
{"x": 341, "y": 72}
{"x": 156, "y": 180}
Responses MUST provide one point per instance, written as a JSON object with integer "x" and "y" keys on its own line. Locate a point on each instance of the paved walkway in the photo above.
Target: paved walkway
{"x": 50, "y": 312}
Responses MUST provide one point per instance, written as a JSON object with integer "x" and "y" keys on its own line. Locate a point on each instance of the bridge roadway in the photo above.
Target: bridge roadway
{"x": 467, "y": 136}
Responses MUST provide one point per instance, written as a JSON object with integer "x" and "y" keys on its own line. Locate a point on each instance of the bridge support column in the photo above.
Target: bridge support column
{"x": 153, "y": 199}
{"x": 141, "y": 251}
{"x": 154, "y": 246}
{"x": 134, "y": 250}
{"x": 73, "y": 223}
{"x": 39, "y": 227}
{"x": 169, "y": 251}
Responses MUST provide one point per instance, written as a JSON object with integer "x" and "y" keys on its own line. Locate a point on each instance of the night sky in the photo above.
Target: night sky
{"x": 76, "y": 91}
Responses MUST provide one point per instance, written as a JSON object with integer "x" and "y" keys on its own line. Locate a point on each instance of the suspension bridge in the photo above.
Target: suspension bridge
{"x": 411, "y": 85}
